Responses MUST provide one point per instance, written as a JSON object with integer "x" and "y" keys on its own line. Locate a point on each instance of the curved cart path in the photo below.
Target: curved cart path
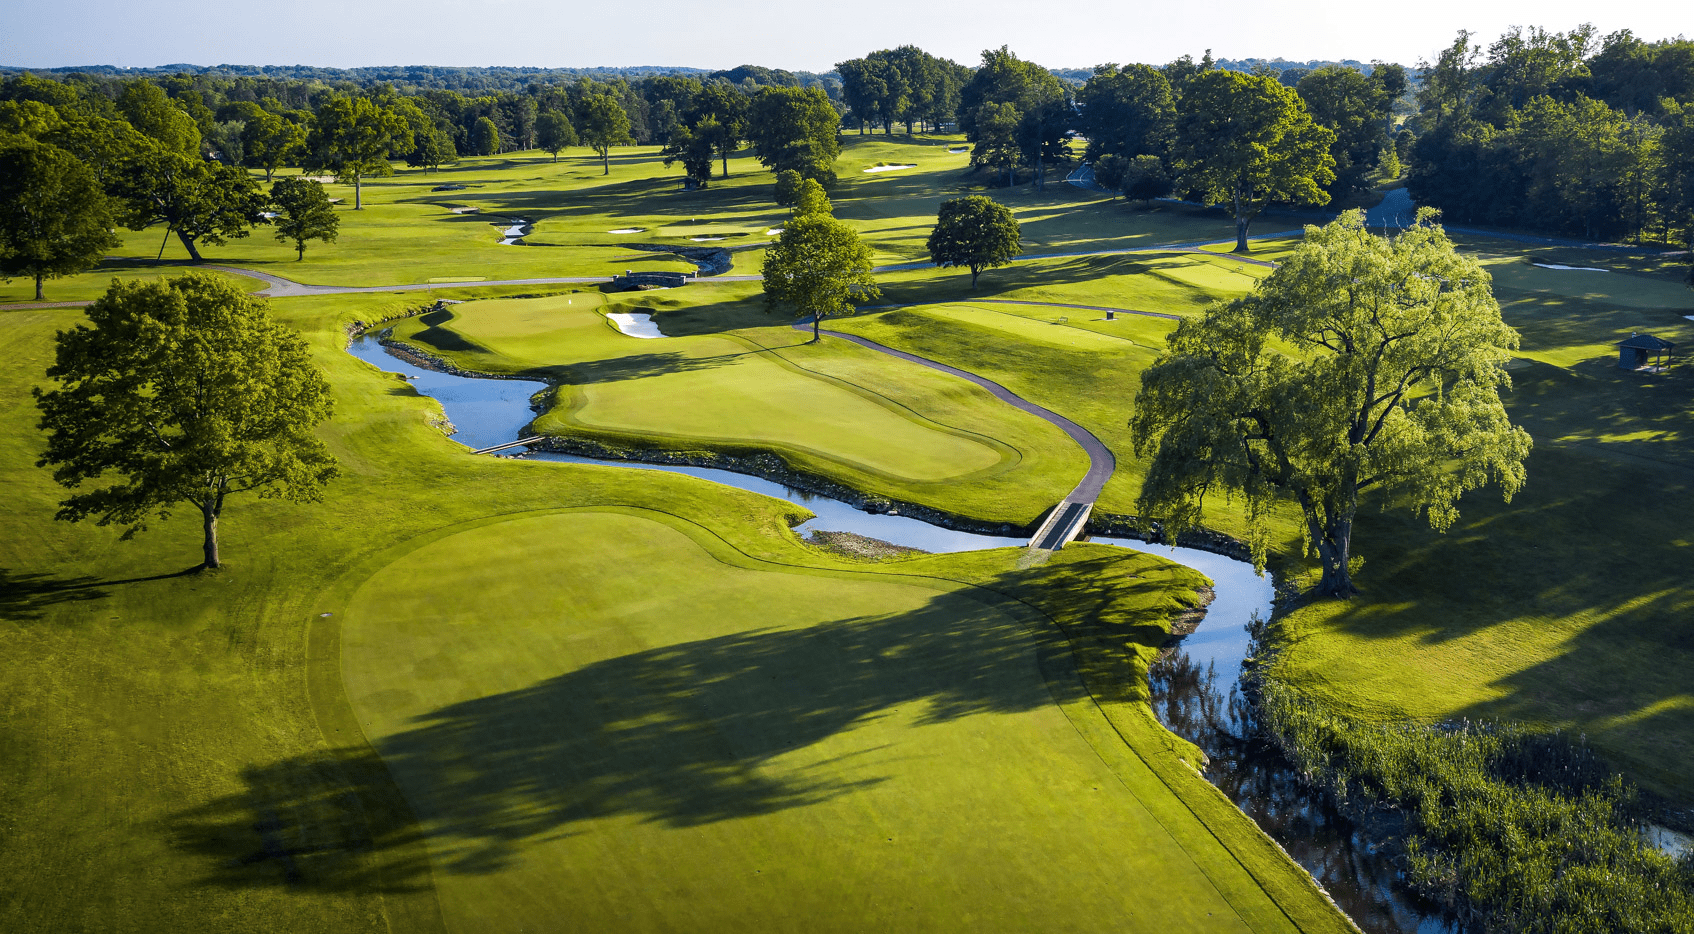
{"x": 1101, "y": 462}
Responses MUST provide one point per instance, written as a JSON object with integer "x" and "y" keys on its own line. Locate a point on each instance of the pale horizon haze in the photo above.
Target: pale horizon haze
{"x": 795, "y": 36}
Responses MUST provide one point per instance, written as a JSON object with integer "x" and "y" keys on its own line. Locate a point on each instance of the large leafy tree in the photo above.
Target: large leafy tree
{"x": 795, "y": 128}
{"x": 199, "y": 201}
{"x": 601, "y": 123}
{"x": 54, "y": 219}
{"x": 818, "y": 267}
{"x": 352, "y": 137}
{"x": 553, "y": 132}
{"x": 726, "y": 106}
{"x": 188, "y": 392}
{"x": 156, "y": 116}
{"x": 1246, "y": 140}
{"x": 693, "y": 147}
{"x": 1356, "y": 109}
{"x": 303, "y": 213}
{"x": 270, "y": 142}
{"x": 975, "y": 232}
{"x": 1004, "y": 79}
{"x": 1126, "y": 112}
{"x": 1361, "y": 364}
{"x": 996, "y": 147}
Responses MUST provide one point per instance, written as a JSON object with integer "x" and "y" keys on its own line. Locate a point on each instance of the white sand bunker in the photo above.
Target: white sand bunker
{"x": 703, "y": 239}
{"x": 465, "y": 210}
{"x": 958, "y": 149}
{"x": 1577, "y": 268}
{"x": 635, "y": 324}
{"x": 626, "y": 230}
{"x": 774, "y": 232}
{"x": 889, "y": 168}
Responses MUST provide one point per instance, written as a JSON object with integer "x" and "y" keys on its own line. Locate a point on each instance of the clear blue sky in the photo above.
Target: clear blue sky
{"x": 794, "y": 34}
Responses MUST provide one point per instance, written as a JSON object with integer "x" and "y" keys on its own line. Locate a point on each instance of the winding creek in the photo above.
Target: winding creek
{"x": 1196, "y": 687}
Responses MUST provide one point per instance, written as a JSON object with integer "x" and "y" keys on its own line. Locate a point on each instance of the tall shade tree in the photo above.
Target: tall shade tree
{"x": 729, "y": 107}
{"x": 1126, "y": 112}
{"x": 352, "y": 136}
{"x": 1247, "y": 140}
{"x": 601, "y": 123}
{"x": 432, "y": 148}
{"x": 693, "y": 148}
{"x": 270, "y": 142}
{"x": 485, "y": 137}
{"x": 1356, "y": 109}
{"x": 54, "y": 219}
{"x": 188, "y": 392}
{"x": 810, "y": 199}
{"x": 795, "y": 129}
{"x": 1360, "y": 364}
{"x": 553, "y": 132}
{"x": 996, "y": 147}
{"x": 303, "y": 213}
{"x": 975, "y": 232}
{"x": 200, "y": 202}
{"x": 818, "y": 267}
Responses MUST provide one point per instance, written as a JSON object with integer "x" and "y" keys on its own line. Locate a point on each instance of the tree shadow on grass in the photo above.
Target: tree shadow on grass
{"x": 25, "y": 596}
{"x": 681, "y": 735}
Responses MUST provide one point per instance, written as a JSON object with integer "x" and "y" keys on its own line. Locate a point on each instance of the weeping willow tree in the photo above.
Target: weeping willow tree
{"x": 1360, "y": 364}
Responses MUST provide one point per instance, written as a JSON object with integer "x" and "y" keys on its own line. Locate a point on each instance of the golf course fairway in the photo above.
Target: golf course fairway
{"x": 611, "y": 719}
{"x": 881, "y": 425}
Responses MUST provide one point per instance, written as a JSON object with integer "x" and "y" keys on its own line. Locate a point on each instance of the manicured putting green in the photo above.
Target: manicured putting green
{"x": 598, "y": 719}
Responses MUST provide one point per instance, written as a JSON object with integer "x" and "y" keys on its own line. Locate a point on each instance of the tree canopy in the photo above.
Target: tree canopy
{"x": 1361, "y": 364}
{"x": 1247, "y": 140}
{"x": 303, "y": 213}
{"x": 818, "y": 267}
{"x": 553, "y": 132}
{"x": 188, "y": 391}
{"x": 975, "y": 232}
{"x": 795, "y": 128}
{"x": 54, "y": 219}
{"x": 352, "y": 136}
{"x": 1127, "y": 112}
{"x": 199, "y": 201}
{"x": 600, "y": 125}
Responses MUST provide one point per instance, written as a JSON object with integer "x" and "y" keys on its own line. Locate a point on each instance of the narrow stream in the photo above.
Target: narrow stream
{"x": 1195, "y": 687}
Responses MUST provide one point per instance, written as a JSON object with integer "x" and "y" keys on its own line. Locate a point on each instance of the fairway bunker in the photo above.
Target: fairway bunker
{"x": 1571, "y": 268}
{"x": 635, "y": 324}
{"x": 888, "y": 168}
{"x": 774, "y": 232}
{"x": 705, "y": 239}
{"x": 627, "y": 230}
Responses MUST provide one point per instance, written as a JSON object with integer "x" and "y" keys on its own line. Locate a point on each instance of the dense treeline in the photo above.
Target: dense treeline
{"x": 478, "y": 79}
{"x": 1560, "y": 131}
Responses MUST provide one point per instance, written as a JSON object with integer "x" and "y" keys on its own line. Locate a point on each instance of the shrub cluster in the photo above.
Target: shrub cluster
{"x": 1512, "y": 829}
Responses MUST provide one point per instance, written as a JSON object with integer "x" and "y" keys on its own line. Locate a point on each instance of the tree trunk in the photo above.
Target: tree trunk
{"x": 209, "y": 517}
{"x": 38, "y": 293}
{"x": 300, "y": 245}
{"x": 188, "y": 244}
{"x": 975, "y": 271}
{"x": 1334, "y": 550}
{"x": 606, "y": 162}
{"x": 815, "y": 336}
{"x": 725, "y": 155}
{"x": 1241, "y": 235}
{"x": 358, "y": 204}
